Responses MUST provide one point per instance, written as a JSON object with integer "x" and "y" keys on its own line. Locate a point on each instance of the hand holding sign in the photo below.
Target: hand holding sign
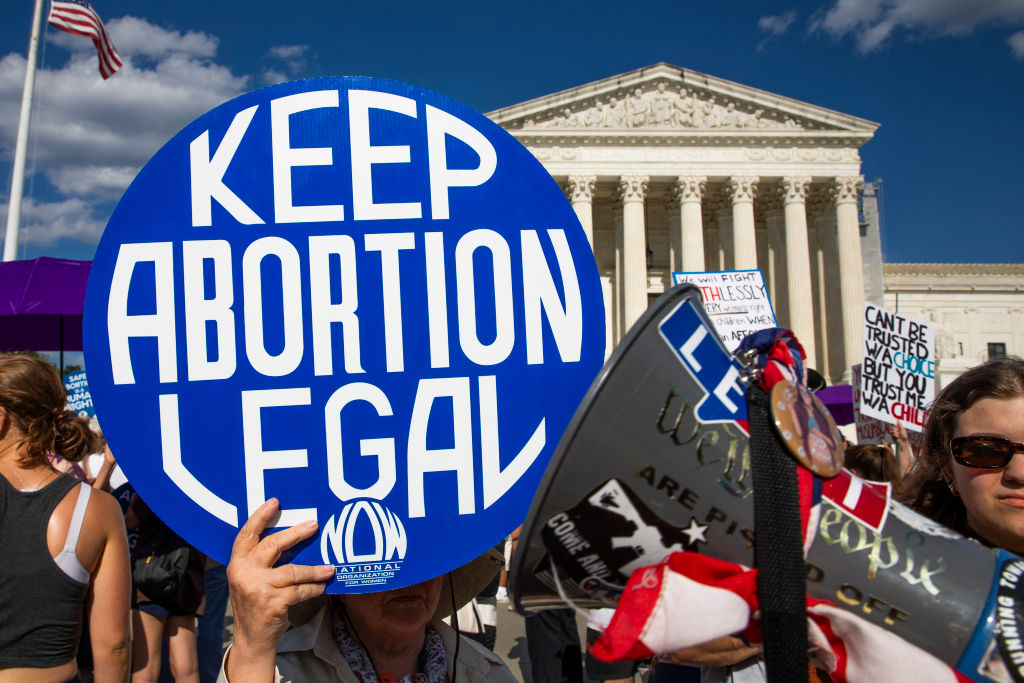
{"x": 261, "y": 593}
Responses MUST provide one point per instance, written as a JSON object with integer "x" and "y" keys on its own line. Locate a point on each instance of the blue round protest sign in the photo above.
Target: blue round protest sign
{"x": 354, "y": 295}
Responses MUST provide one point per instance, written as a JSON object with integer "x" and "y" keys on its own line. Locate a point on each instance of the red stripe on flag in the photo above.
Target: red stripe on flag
{"x": 867, "y": 501}
{"x": 83, "y": 21}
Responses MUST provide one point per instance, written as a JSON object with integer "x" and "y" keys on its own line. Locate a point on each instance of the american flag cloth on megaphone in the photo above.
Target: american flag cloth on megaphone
{"x": 647, "y": 506}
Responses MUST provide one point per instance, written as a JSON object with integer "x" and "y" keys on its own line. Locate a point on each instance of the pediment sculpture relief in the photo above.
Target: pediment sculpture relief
{"x": 662, "y": 106}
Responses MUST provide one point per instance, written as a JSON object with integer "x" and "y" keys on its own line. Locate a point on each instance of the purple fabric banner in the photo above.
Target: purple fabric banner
{"x": 41, "y": 304}
{"x": 839, "y": 401}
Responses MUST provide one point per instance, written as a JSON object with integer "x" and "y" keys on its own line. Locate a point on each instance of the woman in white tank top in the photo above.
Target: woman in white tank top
{"x": 63, "y": 544}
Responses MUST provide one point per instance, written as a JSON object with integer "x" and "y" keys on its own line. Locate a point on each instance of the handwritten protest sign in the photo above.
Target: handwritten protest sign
{"x": 898, "y": 372}
{"x": 870, "y": 430}
{"x": 79, "y": 398}
{"x": 737, "y": 302}
{"x": 357, "y": 296}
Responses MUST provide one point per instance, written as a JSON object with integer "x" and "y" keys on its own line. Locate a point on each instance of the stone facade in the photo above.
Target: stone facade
{"x": 977, "y": 309}
{"x": 673, "y": 170}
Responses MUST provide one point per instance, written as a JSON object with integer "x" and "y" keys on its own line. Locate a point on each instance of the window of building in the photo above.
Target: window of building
{"x": 996, "y": 350}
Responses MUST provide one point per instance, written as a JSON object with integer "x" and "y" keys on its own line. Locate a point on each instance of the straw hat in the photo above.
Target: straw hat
{"x": 467, "y": 582}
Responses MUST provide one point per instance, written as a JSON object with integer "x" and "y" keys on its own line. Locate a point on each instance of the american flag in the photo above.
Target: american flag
{"x": 78, "y": 17}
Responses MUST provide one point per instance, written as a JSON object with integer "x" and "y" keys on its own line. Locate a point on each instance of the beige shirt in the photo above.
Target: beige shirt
{"x": 308, "y": 653}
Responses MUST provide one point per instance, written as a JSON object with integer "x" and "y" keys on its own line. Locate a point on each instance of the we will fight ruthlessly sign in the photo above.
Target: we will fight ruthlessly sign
{"x": 898, "y": 373}
{"x": 354, "y": 295}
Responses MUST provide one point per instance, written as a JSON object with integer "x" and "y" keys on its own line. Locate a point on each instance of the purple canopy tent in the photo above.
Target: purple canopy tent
{"x": 41, "y": 304}
{"x": 839, "y": 401}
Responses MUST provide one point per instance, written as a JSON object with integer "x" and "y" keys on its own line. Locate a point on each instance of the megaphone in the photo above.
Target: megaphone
{"x": 656, "y": 461}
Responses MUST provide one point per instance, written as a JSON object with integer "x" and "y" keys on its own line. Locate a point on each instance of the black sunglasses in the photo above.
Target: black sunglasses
{"x": 984, "y": 452}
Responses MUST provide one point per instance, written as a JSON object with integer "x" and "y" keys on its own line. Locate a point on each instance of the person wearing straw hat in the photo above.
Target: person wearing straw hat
{"x": 387, "y": 637}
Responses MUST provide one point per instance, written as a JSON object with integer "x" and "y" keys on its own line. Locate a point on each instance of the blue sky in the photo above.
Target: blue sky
{"x": 944, "y": 78}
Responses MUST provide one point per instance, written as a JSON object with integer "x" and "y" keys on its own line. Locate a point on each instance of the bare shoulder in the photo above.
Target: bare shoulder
{"x": 103, "y": 530}
{"x": 105, "y": 512}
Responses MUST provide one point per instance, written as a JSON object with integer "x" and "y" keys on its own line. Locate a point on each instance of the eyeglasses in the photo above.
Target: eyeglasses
{"x": 984, "y": 452}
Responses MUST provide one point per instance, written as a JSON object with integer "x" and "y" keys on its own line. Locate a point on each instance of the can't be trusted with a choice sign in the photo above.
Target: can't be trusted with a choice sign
{"x": 357, "y": 296}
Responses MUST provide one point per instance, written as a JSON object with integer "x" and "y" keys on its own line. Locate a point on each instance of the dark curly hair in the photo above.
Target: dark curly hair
{"x": 33, "y": 396}
{"x": 925, "y": 488}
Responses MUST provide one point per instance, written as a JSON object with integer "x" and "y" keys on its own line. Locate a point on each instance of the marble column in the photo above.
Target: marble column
{"x": 845, "y": 191}
{"x": 761, "y": 235}
{"x": 798, "y": 266}
{"x": 686, "y": 223}
{"x": 712, "y": 251}
{"x": 616, "y": 275}
{"x": 741, "y": 191}
{"x": 580, "y": 190}
{"x": 821, "y": 217}
{"x": 823, "y": 275}
{"x": 673, "y": 219}
{"x": 817, "y": 293}
{"x": 775, "y": 272}
{"x": 726, "y": 244}
{"x": 633, "y": 248}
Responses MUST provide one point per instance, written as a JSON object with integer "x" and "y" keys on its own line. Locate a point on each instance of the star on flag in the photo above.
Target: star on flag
{"x": 696, "y": 532}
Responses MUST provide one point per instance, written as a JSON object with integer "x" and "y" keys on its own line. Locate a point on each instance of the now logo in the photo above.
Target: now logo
{"x": 365, "y": 531}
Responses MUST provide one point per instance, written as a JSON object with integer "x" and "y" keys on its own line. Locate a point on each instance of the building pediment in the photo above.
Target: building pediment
{"x": 665, "y": 99}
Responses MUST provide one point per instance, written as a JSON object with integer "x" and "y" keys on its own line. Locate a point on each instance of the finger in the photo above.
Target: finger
{"x": 270, "y": 548}
{"x": 297, "y": 574}
{"x": 249, "y": 535}
{"x": 306, "y": 591}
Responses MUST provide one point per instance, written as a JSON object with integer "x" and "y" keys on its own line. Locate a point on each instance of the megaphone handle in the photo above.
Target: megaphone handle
{"x": 778, "y": 547}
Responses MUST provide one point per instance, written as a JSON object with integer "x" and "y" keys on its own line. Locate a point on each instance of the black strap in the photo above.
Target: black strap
{"x": 778, "y": 547}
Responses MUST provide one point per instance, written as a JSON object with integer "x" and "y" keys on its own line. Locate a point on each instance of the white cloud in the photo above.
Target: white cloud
{"x": 273, "y": 77}
{"x": 872, "y": 22}
{"x": 294, "y": 62}
{"x": 138, "y": 37}
{"x": 1017, "y": 44}
{"x": 776, "y": 24}
{"x": 288, "y": 51}
{"x": 44, "y": 223}
{"x": 90, "y": 137}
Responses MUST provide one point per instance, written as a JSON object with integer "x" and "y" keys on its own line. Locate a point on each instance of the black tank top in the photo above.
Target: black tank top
{"x": 40, "y": 605}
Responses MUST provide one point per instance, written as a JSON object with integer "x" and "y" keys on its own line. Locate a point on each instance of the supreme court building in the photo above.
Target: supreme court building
{"x": 673, "y": 170}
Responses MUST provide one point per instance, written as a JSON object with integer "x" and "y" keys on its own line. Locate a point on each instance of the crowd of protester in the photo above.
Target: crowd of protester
{"x": 69, "y": 609}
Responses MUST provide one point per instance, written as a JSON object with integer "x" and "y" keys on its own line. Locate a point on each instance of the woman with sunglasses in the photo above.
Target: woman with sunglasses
{"x": 970, "y": 473}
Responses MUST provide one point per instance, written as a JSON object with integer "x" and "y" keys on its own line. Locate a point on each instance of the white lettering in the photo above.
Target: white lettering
{"x": 365, "y": 155}
{"x": 121, "y": 326}
{"x": 691, "y": 344}
{"x": 174, "y": 468}
{"x": 437, "y": 299}
{"x": 439, "y": 125}
{"x": 459, "y": 457}
{"x": 539, "y": 294}
{"x": 257, "y": 460}
{"x": 285, "y": 157}
{"x": 389, "y": 244}
{"x": 730, "y": 382}
{"x": 291, "y": 306}
{"x": 394, "y": 533}
{"x": 382, "y": 449}
{"x": 333, "y": 535}
{"x": 199, "y": 310}
{"x": 377, "y": 554}
{"x": 207, "y": 175}
{"x": 496, "y": 481}
{"x": 323, "y": 312}
{"x": 501, "y": 272}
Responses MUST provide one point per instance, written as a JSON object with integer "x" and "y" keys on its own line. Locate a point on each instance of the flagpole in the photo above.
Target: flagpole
{"x": 21, "y": 145}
